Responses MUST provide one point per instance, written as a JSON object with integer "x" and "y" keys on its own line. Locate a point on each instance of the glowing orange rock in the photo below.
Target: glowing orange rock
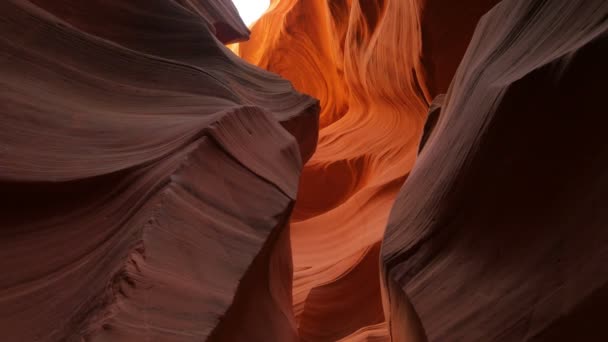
{"x": 362, "y": 60}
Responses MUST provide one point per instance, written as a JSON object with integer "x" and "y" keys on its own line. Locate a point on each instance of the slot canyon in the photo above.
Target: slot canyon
{"x": 334, "y": 170}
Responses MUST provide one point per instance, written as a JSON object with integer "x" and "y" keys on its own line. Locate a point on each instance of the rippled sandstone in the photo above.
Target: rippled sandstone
{"x": 156, "y": 186}
{"x": 147, "y": 175}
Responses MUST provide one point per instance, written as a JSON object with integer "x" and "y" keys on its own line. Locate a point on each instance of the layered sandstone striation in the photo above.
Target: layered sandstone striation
{"x": 367, "y": 63}
{"x": 499, "y": 232}
{"x": 447, "y": 185}
{"x": 147, "y": 175}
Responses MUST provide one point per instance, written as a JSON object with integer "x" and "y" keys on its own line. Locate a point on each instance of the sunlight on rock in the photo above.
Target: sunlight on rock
{"x": 251, "y": 10}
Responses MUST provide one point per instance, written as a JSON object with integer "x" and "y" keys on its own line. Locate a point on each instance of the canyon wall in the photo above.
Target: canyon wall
{"x": 147, "y": 175}
{"x": 499, "y": 232}
{"x": 165, "y": 177}
{"x": 367, "y": 63}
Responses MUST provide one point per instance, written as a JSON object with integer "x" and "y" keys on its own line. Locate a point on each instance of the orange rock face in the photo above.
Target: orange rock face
{"x": 363, "y": 61}
{"x": 158, "y": 185}
{"x": 370, "y": 126}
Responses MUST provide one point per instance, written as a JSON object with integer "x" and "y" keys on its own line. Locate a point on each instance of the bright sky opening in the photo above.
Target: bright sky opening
{"x": 251, "y": 10}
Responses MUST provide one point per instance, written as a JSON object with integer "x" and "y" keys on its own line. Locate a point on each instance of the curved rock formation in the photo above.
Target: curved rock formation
{"x": 362, "y": 59}
{"x": 499, "y": 232}
{"x": 153, "y": 186}
{"x": 146, "y": 173}
{"x": 368, "y": 141}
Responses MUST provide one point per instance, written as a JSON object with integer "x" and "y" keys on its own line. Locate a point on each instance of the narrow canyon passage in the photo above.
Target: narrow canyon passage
{"x": 364, "y": 61}
{"x": 334, "y": 170}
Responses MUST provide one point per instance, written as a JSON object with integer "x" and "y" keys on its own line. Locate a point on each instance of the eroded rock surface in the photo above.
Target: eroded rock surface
{"x": 154, "y": 188}
{"x": 499, "y": 232}
{"x": 147, "y": 176}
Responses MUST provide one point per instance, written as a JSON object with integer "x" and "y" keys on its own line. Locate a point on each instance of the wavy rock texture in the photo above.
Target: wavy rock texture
{"x": 153, "y": 186}
{"x": 370, "y": 127}
{"x": 499, "y": 232}
{"x": 367, "y": 63}
{"x": 146, "y": 173}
